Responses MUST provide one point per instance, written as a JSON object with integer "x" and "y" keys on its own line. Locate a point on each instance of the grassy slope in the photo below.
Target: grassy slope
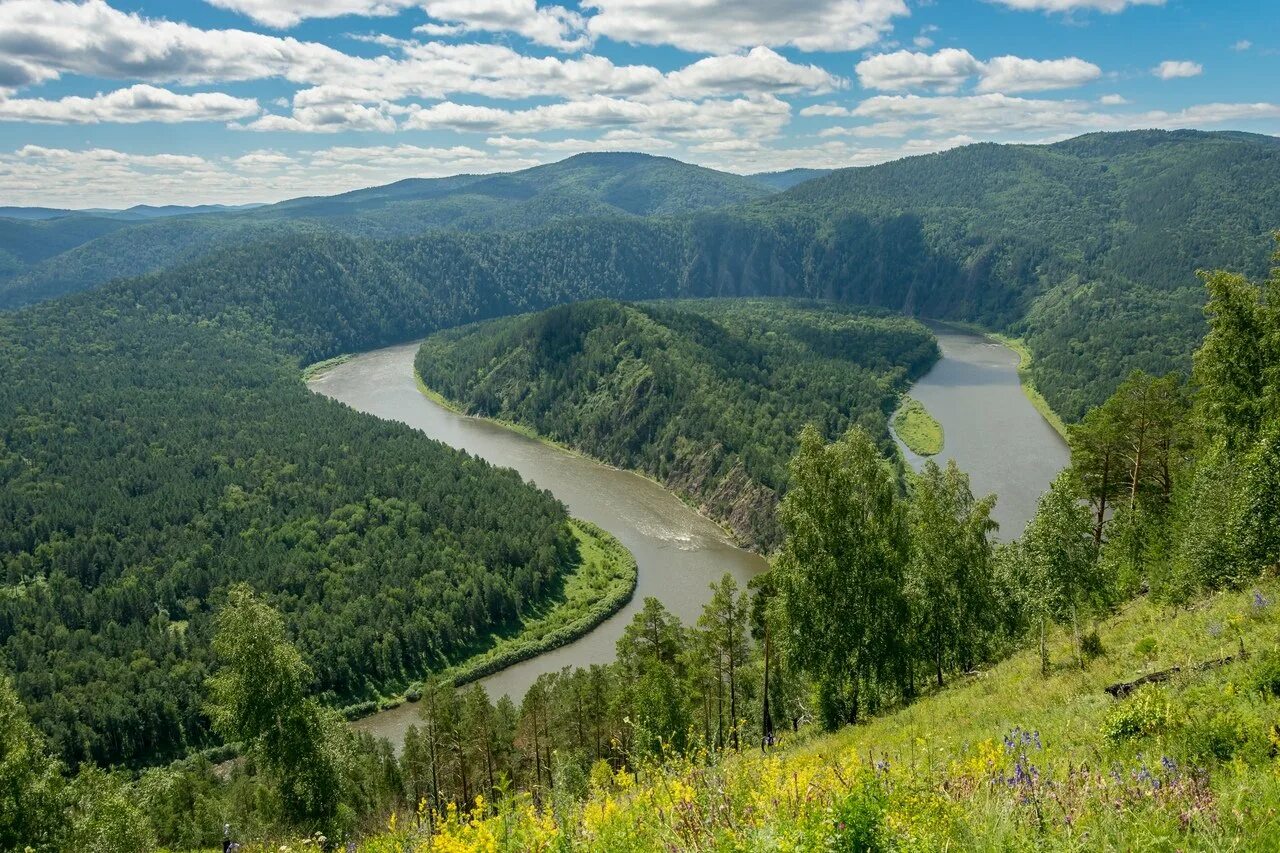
{"x": 918, "y": 429}
{"x": 940, "y": 774}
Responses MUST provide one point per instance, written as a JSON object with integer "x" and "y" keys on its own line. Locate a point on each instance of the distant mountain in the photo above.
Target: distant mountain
{"x": 585, "y": 186}
{"x": 1088, "y": 247}
{"x": 788, "y": 179}
{"x": 137, "y": 213}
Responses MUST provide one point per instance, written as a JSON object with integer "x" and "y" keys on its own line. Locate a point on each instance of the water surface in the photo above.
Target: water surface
{"x": 989, "y": 426}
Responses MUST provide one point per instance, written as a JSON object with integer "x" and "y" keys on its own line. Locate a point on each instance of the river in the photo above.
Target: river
{"x": 990, "y": 428}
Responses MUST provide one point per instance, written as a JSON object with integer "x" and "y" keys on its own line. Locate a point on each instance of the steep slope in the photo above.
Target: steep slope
{"x": 1007, "y": 759}
{"x": 707, "y": 396}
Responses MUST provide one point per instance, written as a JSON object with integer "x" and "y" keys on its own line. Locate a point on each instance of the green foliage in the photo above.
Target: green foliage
{"x": 840, "y": 572}
{"x": 951, "y": 580}
{"x": 707, "y": 396}
{"x": 30, "y": 779}
{"x": 918, "y": 429}
{"x": 1146, "y": 712}
{"x": 259, "y": 696}
{"x": 859, "y": 820}
{"x": 152, "y": 456}
{"x": 1059, "y": 565}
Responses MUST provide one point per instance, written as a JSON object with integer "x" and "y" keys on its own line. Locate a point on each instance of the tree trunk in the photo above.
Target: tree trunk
{"x": 1102, "y": 499}
{"x": 766, "y": 721}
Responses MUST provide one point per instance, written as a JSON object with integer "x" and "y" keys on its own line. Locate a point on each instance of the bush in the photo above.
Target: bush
{"x": 859, "y": 820}
{"x": 1091, "y": 646}
{"x": 1147, "y": 712}
{"x": 1146, "y": 647}
{"x": 1265, "y": 674}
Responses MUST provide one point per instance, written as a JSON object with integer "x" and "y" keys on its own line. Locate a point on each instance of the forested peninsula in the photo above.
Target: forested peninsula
{"x": 707, "y": 396}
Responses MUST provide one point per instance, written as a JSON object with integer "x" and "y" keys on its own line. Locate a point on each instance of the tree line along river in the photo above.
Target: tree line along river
{"x": 990, "y": 427}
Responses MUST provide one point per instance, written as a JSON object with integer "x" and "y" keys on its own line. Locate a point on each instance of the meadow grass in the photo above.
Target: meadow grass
{"x": 918, "y": 429}
{"x": 1005, "y": 759}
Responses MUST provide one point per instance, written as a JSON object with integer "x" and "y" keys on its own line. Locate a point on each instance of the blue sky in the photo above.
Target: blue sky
{"x": 117, "y": 102}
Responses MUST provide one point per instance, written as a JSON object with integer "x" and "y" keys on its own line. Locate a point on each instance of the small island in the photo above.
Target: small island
{"x": 918, "y": 429}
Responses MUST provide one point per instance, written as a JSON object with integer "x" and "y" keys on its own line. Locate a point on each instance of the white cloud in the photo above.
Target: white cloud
{"x": 1113, "y": 100}
{"x": 1172, "y": 69}
{"x": 327, "y": 118}
{"x": 93, "y": 39}
{"x": 761, "y": 115}
{"x": 1067, "y": 6}
{"x": 614, "y": 140}
{"x": 722, "y": 26}
{"x": 139, "y": 103}
{"x": 1242, "y": 45}
{"x": 553, "y": 26}
{"x": 1014, "y": 74}
{"x": 945, "y": 70}
{"x": 1005, "y": 117}
{"x": 759, "y": 70}
{"x": 950, "y": 68}
{"x": 100, "y": 177}
{"x": 286, "y": 13}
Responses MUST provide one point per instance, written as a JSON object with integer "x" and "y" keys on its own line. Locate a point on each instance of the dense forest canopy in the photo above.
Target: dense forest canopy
{"x": 149, "y": 457}
{"x": 708, "y": 396}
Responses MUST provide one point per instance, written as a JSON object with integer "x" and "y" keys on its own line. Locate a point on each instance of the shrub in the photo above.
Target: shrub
{"x": 859, "y": 820}
{"x": 1265, "y": 674}
{"x": 1091, "y": 646}
{"x": 1146, "y": 647}
{"x": 1148, "y": 711}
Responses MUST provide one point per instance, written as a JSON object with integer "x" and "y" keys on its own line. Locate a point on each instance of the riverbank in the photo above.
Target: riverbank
{"x": 533, "y": 435}
{"x": 603, "y": 584}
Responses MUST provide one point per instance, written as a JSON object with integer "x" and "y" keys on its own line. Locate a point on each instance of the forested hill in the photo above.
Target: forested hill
{"x": 1089, "y": 247}
{"x": 708, "y": 396}
{"x": 585, "y": 185}
{"x": 157, "y": 446}
{"x": 42, "y": 260}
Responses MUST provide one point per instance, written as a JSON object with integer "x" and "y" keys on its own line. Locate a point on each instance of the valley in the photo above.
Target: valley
{"x": 677, "y": 551}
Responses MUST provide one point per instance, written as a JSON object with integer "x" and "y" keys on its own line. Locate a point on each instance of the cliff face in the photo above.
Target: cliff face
{"x": 730, "y": 497}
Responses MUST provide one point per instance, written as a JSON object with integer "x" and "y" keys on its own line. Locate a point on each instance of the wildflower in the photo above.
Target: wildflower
{"x": 1260, "y": 601}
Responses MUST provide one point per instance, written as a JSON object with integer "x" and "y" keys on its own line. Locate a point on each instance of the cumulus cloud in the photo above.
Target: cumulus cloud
{"x": 1172, "y": 69}
{"x": 945, "y": 70}
{"x": 1113, "y": 100}
{"x": 760, "y": 115}
{"x": 1067, "y": 6}
{"x": 286, "y": 13}
{"x": 553, "y": 26}
{"x": 1014, "y": 74}
{"x": 1003, "y": 117}
{"x": 950, "y": 68}
{"x": 139, "y": 103}
{"x": 722, "y": 26}
{"x": 759, "y": 70}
